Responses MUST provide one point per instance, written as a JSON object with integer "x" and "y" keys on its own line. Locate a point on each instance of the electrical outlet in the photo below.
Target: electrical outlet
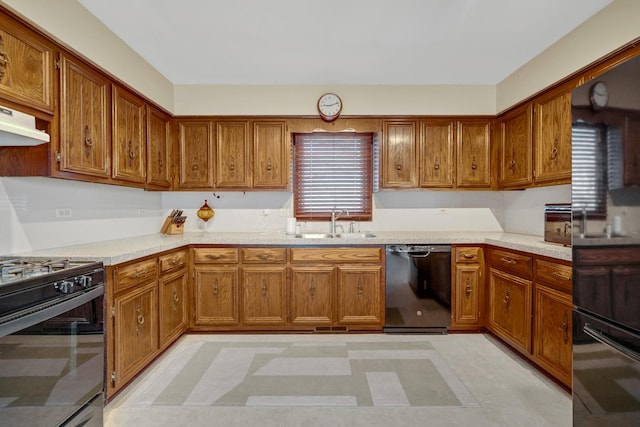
{"x": 266, "y": 212}
{"x": 141, "y": 212}
{"x": 63, "y": 213}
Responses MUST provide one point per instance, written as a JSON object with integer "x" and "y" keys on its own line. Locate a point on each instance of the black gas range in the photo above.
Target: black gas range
{"x": 52, "y": 341}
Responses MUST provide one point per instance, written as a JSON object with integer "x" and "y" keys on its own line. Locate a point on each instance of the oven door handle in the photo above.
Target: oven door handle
{"x": 610, "y": 342}
{"x": 47, "y": 311}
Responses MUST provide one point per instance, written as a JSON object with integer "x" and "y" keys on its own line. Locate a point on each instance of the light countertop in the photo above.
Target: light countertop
{"x": 112, "y": 252}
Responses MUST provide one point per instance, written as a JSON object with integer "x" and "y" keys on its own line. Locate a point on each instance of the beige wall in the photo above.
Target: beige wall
{"x": 357, "y": 100}
{"x": 614, "y": 26}
{"x": 68, "y": 21}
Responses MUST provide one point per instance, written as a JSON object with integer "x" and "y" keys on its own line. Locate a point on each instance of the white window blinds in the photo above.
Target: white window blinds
{"x": 333, "y": 171}
{"x": 589, "y": 169}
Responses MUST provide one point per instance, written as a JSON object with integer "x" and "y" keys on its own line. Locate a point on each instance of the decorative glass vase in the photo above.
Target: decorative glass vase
{"x": 205, "y": 213}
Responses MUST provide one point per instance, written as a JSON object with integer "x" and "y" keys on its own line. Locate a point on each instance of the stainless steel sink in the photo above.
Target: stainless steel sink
{"x": 314, "y": 236}
{"x": 355, "y": 235}
{"x": 337, "y": 236}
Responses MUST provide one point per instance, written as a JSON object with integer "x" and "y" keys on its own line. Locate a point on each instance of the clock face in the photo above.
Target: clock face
{"x": 329, "y": 106}
{"x": 599, "y": 95}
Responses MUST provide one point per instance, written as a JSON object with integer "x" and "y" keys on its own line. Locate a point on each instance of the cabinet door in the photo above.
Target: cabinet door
{"x": 232, "y": 155}
{"x": 360, "y": 295}
{"x": 473, "y": 153}
{"x": 436, "y": 153}
{"x": 26, "y": 64}
{"x": 312, "y": 295}
{"x": 516, "y": 143}
{"x": 264, "y": 295}
{"x": 270, "y": 155}
{"x": 216, "y": 296}
{"x": 631, "y": 166}
{"x": 467, "y": 295}
{"x": 399, "y": 155}
{"x": 129, "y": 137}
{"x": 172, "y": 307}
{"x": 85, "y": 145}
{"x": 552, "y": 343}
{"x": 510, "y": 309}
{"x": 135, "y": 331}
{"x": 158, "y": 149}
{"x": 196, "y": 151}
{"x": 552, "y": 139}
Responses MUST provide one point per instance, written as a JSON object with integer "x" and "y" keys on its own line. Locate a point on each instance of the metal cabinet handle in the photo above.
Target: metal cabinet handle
{"x": 269, "y": 164}
{"x": 474, "y": 165}
{"x": 360, "y": 291}
{"x": 467, "y": 288}
{"x": 508, "y": 260}
{"x": 216, "y": 290}
{"x": 176, "y": 299}
{"x": 507, "y": 299}
{"x": 554, "y": 153}
{"x": 564, "y": 327}
{"x": 139, "y": 320}
{"x": 4, "y": 59}
{"x": 214, "y": 257}
{"x": 132, "y": 153}
{"x": 436, "y": 164}
{"x": 232, "y": 164}
{"x": 265, "y": 289}
{"x": 560, "y": 275}
{"x": 312, "y": 289}
{"x": 139, "y": 274}
{"x": 468, "y": 256}
{"x": 264, "y": 257}
{"x": 194, "y": 167}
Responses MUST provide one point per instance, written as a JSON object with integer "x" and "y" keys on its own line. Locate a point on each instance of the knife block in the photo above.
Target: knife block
{"x": 170, "y": 228}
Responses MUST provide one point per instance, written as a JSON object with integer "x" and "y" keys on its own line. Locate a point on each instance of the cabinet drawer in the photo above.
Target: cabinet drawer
{"x": 521, "y": 265}
{"x": 469, "y": 255}
{"x": 336, "y": 255}
{"x": 215, "y": 255}
{"x": 556, "y": 275}
{"x": 172, "y": 261}
{"x": 262, "y": 255}
{"x": 135, "y": 274}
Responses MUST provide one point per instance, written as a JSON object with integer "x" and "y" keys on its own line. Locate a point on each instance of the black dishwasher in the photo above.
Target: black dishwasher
{"x": 418, "y": 288}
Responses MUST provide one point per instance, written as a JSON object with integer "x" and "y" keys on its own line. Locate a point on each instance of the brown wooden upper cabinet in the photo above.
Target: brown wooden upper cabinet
{"x": 196, "y": 151}
{"x": 270, "y": 155}
{"x": 399, "y": 155}
{"x": 473, "y": 139}
{"x": 233, "y": 155}
{"x": 516, "y": 145}
{"x": 129, "y": 137}
{"x": 158, "y": 149}
{"x": 437, "y": 153}
{"x": 85, "y": 146}
{"x": 26, "y": 66}
{"x": 552, "y": 139}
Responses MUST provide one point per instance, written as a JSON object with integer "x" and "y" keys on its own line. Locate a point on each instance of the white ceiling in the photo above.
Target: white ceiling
{"x": 340, "y": 42}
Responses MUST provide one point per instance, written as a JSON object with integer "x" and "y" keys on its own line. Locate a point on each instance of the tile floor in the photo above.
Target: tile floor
{"x": 509, "y": 391}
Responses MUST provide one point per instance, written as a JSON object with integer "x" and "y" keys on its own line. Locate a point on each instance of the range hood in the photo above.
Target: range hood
{"x": 19, "y": 129}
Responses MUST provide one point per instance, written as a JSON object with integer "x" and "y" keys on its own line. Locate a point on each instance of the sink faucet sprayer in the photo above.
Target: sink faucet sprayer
{"x": 334, "y": 216}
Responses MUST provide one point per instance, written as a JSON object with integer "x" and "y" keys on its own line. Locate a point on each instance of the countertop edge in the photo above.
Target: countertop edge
{"x": 112, "y": 252}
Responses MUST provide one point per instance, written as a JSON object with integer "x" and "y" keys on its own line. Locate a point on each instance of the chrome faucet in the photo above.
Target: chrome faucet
{"x": 334, "y": 216}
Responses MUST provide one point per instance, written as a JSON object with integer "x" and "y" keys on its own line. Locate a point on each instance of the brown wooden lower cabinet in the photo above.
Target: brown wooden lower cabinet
{"x": 172, "y": 307}
{"x": 510, "y": 308}
{"x": 552, "y": 346}
{"x": 312, "y": 295}
{"x": 216, "y": 296}
{"x": 530, "y": 308}
{"x": 360, "y": 295}
{"x": 264, "y": 295}
{"x": 467, "y": 288}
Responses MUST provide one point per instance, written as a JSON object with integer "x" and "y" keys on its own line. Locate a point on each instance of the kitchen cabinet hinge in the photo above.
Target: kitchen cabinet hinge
{"x": 113, "y": 310}
{"x": 58, "y": 157}
{"x": 57, "y": 64}
{"x": 113, "y": 378}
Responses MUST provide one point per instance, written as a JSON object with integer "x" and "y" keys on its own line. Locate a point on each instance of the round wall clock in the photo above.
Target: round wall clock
{"x": 599, "y": 95}
{"x": 329, "y": 106}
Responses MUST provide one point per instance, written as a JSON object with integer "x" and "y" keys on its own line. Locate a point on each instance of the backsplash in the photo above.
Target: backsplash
{"x": 41, "y": 213}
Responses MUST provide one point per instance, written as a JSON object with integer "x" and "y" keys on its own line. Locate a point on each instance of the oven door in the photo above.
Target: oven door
{"x": 52, "y": 364}
{"x": 606, "y": 373}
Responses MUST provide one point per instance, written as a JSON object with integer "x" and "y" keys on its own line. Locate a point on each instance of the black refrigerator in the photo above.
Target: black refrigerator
{"x": 605, "y": 196}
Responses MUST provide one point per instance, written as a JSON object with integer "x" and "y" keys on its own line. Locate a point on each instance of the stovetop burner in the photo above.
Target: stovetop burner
{"x": 12, "y": 270}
